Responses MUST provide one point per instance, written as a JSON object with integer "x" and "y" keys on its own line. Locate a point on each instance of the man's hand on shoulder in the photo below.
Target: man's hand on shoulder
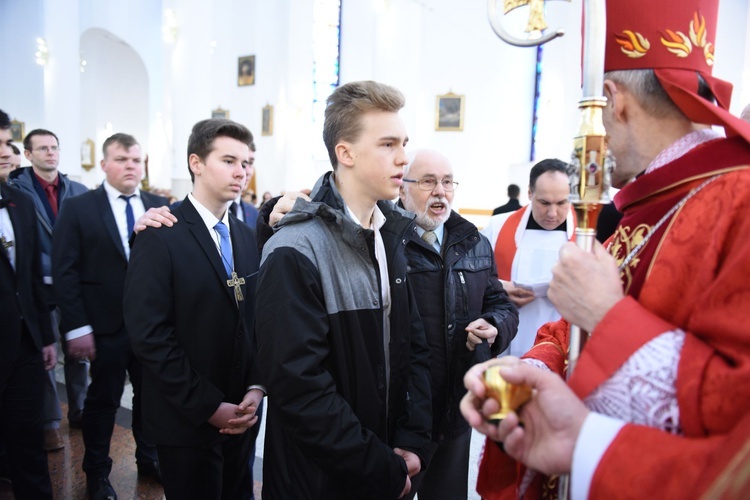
{"x": 285, "y": 204}
{"x": 155, "y": 217}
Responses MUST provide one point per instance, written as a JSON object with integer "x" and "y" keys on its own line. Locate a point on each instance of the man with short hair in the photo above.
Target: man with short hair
{"x": 27, "y": 344}
{"x": 90, "y": 254}
{"x": 513, "y": 204}
{"x": 190, "y": 309}
{"x": 466, "y": 314}
{"x": 339, "y": 337}
{"x": 526, "y": 243}
{"x": 15, "y": 160}
{"x": 241, "y": 209}
{"x": 658, "y": 405}
{"x": 50, "y": 189}
{"x": 7, "y": 166}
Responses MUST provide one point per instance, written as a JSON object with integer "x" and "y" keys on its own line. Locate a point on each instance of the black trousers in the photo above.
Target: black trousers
{"x": 447, "y": 476}
{"x": 114, "y": 358}
{"x": 218, "y": 471}
{"x": 21, "y": 383}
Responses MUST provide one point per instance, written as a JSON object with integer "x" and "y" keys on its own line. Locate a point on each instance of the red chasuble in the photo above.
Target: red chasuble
{"x": 693, "y": 274}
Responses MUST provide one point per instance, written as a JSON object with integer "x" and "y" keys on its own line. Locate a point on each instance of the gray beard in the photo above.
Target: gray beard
{"x": 429, "y": 223}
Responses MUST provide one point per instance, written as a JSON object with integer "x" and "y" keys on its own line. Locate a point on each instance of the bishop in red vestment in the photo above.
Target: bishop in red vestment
{"x": 664, "y": 373}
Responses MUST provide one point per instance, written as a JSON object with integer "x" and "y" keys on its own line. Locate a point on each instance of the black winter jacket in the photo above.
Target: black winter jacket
{"x": 340, "y": 398}
{"x": 452, "y": 290}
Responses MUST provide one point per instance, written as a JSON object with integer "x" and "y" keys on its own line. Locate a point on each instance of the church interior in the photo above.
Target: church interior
{"x": 86, "y": 69}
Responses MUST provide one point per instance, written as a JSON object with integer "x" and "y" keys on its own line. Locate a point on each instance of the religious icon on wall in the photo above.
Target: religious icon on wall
{"x": 267, "y": 121}
{"x": 246, "y": 71}
{"x": 220, "y": 113}
{"x": 449, "y": 114}
{"x": 87, "y": 154}
{"x": 16, "y": 130}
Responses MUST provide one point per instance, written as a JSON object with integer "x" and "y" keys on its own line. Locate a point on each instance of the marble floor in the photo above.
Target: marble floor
{"x": 69, "y": 481}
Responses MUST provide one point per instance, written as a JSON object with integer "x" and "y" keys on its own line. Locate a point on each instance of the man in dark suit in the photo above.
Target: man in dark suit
{"x": 89, "y": 260}
{"x": 238, "y": 207}
{"x": 27, "y": 346}
{"x": 513, "y": 204}
{"x": 50, "y": 189}
{"x": 189, "y": 307}
{"x": 244, "y": 211}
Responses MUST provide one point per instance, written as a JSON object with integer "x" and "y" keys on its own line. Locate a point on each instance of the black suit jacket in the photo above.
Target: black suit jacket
{"x": 21, "y": 289}
{"x": 512, "y": 205}
{"x": 89, "y": 262}
{"x": 194, "y": 341}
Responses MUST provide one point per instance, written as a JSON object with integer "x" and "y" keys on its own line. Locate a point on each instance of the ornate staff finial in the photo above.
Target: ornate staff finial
{"x": 535, "y": 25}
{"x": 591, "y": 164}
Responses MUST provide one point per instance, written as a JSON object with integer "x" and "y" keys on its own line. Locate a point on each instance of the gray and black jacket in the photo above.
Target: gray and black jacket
{"x": 23, "y": 179}
{"x": 335, "y": 410}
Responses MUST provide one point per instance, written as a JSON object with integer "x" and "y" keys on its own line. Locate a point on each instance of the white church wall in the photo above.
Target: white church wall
{"x": 22, "y": 84}
{"x": 733, "y": 50}
{"x": 121, "y": 85}
{"x": 423, "y": 48}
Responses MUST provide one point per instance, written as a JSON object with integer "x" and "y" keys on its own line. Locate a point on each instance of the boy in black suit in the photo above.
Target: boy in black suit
{"x": 189, "y": 308}
{"x": 27, "y": 344}
{"x": 89, "y": 260}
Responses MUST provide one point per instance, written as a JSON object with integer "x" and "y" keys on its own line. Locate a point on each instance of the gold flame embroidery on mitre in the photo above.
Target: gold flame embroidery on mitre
{"x": 632, "y": 44}
{"x": 677, "y": 43}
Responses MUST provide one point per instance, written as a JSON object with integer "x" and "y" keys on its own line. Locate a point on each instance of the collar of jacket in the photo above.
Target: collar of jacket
{"x": 456, "y": 227}
{"x": 23, "y": 177}
{"x": 328, "y": 204}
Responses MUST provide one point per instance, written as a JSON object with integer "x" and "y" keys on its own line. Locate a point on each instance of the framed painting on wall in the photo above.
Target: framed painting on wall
{"x": 449, "y": 112}
{"x": 87, "y": 154}
{"x": 246, "y": 71}
{"x": 17, "y": 130}
{"x": 267, "y": 121}
{"x": 220, "y": 113}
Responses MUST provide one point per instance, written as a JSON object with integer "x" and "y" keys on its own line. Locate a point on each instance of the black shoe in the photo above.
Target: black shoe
{"x": 150, "y": 469}
{"x": 101, "y": 489}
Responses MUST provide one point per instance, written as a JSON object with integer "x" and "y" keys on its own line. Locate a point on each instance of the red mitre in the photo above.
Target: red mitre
{"x": 676, "y": 39}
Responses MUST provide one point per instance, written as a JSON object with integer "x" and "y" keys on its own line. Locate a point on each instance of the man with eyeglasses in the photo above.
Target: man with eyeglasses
{"x": 526, "y": 245}
{"x": 466, "y": 313}
{"x": 49, "y": 189}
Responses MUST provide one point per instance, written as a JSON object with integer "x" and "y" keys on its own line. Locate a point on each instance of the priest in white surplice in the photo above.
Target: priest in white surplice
{"x": 526, "y": 245}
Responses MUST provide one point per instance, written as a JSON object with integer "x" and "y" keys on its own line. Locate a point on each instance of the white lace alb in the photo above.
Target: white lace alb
{"x": 643, "y": 391}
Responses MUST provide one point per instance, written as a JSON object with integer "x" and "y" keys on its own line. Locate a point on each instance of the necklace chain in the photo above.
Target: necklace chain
{"x": 666, "y": 217}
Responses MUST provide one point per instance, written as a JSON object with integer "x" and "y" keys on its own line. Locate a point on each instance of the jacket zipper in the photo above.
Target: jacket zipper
{"x": 465, "y": 297}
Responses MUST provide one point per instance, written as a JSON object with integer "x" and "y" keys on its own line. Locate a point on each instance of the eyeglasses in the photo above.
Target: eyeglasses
{"x": 429, "y": 184}
{"x": 47, "y": 149}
